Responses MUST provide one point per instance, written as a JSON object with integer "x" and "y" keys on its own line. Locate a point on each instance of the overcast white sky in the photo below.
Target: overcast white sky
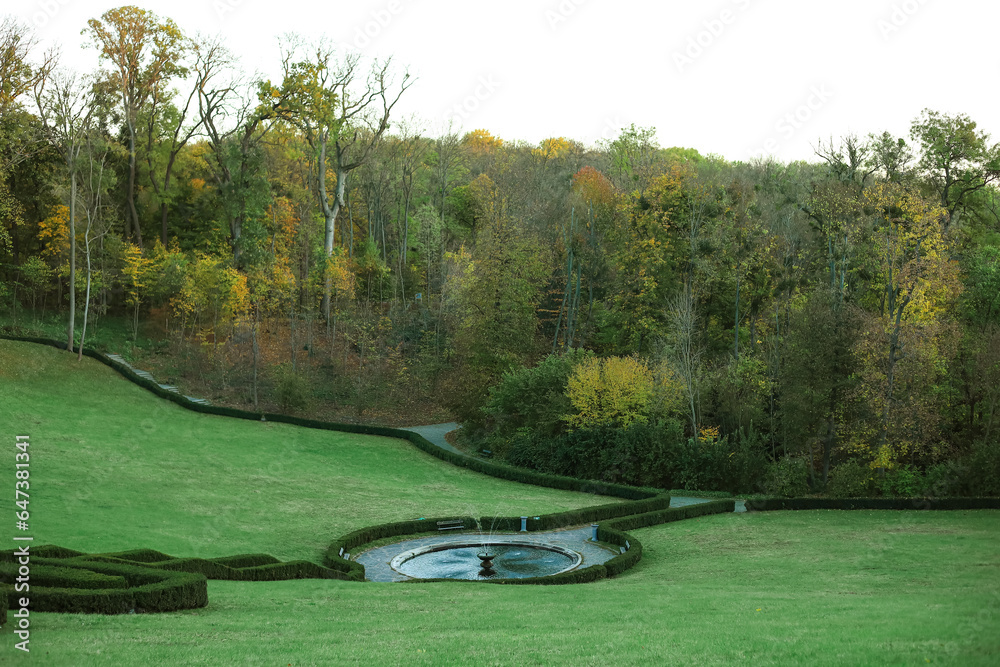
{"x": 739, "y": 78}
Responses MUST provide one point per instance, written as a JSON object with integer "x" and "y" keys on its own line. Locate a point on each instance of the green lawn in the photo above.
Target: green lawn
{"x": 833, "y": 588}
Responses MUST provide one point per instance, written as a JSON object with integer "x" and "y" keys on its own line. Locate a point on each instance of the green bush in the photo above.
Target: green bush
{"x": 291, "y": 390}
{"x": 851, "y": 479}
{"x": 532, "y": 398}
{"x": 981, "y": 468}
{"x": 787, "y": 477}
{"x": 905, "y": 482}
{"x": 646, "y": 455}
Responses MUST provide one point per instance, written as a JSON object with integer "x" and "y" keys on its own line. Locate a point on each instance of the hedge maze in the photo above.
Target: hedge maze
{"x": 139, "y": 581}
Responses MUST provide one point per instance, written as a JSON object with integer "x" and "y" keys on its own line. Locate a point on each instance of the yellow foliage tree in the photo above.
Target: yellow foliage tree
{"x": 53, "y": 231}
{"x": 135, "y": 280}
{"x": 481, "y": 141}
{"x": 213, "y": 293}
{"x": 615, "y": 391}
{"x": 905, "y": 349}
{"x": 552, "y": 148}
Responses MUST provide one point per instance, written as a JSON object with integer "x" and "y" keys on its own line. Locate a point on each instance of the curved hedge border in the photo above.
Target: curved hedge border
{"x": 648, "y": 502}
{"x": 767, "y": 504}
{"x": 142, "y": 580}
{"x": 478, "y": 465}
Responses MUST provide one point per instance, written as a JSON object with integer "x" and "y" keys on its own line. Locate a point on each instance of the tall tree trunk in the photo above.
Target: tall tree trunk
{"x": 71, "y": 326}
{"x": 736, "y": 325}
{"x": 86, "y": 299}
{"x": 130, "y": 195}
{"x": 256, "y": 353}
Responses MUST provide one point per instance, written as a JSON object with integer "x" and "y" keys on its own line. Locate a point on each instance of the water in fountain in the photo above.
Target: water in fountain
{"x": 510, "y": 560}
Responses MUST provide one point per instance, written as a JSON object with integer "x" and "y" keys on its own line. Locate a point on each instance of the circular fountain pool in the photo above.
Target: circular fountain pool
{"x": 511, "y": 560}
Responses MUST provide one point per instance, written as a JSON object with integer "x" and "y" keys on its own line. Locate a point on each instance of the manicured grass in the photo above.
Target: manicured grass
{"x": 789, "y": 588}
{"x": 114, "y": 467}
{"x": 816, "y": 588}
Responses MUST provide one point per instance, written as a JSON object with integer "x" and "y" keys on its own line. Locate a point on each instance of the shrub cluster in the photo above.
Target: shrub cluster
{"x": 649, "y": 455}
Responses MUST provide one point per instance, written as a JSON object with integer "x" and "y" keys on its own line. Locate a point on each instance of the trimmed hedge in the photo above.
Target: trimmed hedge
{"x": 478, "y": 465}
{"x": 599, "y": 513}
{"x": 673, "y": 514}
{"x": 767, "y": 504}
{"x": 141, "y": 580}
{"x": 49, "y": 576}
{"x": 649, "y": 503}
{"x": 146, "y": 589}
{"x": 621, "y": 562}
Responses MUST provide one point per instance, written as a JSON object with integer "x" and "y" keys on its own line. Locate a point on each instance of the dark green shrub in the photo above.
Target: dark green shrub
{"x": 598, "y": 513}
{"x": 851, "y": 479}
{"x": 787, "y": 477}
{"x": 532, "y": 398}
{"x": 291, "y": 390}
{"x": 982, "y": 469}
{"x": 905, "y": 482}
{"x": 49, "y": 576}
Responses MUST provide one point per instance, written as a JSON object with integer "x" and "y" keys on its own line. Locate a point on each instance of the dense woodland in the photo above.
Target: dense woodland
{"x": 624, "y": 311}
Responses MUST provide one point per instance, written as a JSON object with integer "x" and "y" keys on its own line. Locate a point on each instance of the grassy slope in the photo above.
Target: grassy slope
{"x": 114, "y": 467}
{"x": 770, "y": 588}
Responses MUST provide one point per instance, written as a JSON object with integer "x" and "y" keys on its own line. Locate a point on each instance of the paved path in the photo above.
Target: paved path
{"x": 435, "y": 435}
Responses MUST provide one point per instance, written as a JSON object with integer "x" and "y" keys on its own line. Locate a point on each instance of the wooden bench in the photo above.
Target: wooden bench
{"x": 451, "y": 525}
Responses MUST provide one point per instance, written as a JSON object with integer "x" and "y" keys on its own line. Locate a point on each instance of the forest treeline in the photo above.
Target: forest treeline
{"x": 623, "y": 311}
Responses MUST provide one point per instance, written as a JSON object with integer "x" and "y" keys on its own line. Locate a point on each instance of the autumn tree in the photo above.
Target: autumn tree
{"x": 614, "y": 391}
{"x": 144, "y": 53}
{"x": 344, "y": 113}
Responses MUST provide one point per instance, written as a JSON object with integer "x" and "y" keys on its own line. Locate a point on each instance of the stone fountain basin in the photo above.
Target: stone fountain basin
{"x": 511, "y": 559}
